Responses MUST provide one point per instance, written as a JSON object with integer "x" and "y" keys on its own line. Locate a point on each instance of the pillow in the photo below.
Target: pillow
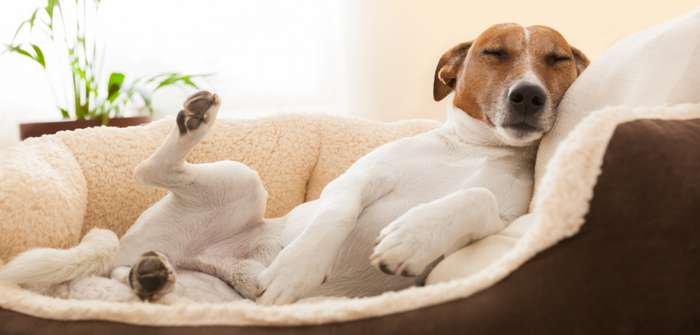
{"x": 657, "y": 66}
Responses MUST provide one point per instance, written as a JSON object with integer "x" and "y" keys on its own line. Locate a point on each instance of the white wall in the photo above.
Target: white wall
{"x": 265, "y": 56}
{"x": 367, "y": 58}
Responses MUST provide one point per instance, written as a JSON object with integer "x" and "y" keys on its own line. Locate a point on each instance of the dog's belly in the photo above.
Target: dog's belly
{"x": 352, "y": 273}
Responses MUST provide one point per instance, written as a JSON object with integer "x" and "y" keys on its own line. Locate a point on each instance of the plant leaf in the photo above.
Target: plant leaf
{"x": 49, "y": 9}
{"x": 171, "y": 79}
{"x": 32, "y": 19}
{"x": 77, "y": 67}
{"x": 39, "y": 55}
{"x": 18, "y": 49}
{"x": 64, "y": 113}
{"x": 29, "y": 21}
{"x": 50, "y": 4}
{"x": 39, "y": 58}
{"x": 114, "y": 85}
{"x": 176, "y": 78}
{"x": 188, "y": 81}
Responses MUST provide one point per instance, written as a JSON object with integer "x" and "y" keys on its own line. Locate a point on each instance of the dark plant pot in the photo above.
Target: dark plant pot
{"x": 36, "y": 129}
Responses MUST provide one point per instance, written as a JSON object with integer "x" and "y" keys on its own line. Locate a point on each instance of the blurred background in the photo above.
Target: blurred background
{"x": 362, "y": 58}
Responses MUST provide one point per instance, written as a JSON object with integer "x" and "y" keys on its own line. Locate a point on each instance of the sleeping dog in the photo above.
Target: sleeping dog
{"x": 378, "y": 226}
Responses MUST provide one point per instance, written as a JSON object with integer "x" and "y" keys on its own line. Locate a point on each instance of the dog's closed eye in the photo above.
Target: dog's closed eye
{"x": 497, "y": 53}
{"x": 555, "y": 58}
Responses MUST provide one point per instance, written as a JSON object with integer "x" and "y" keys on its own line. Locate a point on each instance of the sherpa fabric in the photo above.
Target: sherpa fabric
{"x": 559, "y": 209}
{"x": 43, "y": 196}
{"x": 613, "y": 277}
{"x": 56, "y": 188}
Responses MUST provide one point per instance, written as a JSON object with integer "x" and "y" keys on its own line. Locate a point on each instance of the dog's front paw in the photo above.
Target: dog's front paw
{"x": 406, "y": 246}
{"x": 294, "y": 273}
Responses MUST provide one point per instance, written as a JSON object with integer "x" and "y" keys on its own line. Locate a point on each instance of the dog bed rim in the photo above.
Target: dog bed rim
{"x": 559, "y": 209}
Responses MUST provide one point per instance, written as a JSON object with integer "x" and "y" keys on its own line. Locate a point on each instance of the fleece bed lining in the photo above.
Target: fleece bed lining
{"x": 559, "y": 209}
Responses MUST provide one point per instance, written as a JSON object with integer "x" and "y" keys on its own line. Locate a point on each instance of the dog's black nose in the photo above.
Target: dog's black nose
{"x": 527, "y": 98}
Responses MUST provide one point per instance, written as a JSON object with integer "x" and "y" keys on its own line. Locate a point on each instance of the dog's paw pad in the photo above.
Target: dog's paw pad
{"x": 197, "y": 109}
{"x": 152, "y": 277}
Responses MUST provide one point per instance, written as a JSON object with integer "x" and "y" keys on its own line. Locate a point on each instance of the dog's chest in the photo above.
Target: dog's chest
{"x": 427, "y": 174}
{"x": 422, "y": 180}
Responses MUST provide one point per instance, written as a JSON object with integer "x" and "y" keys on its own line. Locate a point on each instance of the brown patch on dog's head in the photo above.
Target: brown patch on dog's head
{"x": 559, "y": 63}
{"x": 510, "y": 77}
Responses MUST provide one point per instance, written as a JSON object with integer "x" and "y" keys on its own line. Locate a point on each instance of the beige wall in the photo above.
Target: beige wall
{"x": 394, "y": 44}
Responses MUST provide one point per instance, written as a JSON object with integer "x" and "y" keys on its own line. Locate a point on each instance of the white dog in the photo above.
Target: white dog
{"x": 394, "y": 212}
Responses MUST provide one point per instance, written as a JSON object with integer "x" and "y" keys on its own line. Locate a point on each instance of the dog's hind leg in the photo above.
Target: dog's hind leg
{"x": 240, "y": 274}
{"x": 223, "y": 185}
{"x": 209, "y": 202}
{"x": 166, "y": 167}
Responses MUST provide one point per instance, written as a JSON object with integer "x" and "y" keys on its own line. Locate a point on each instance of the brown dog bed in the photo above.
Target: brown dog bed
{"x": 632, "y": 262}
{"x": 631, "y": 269}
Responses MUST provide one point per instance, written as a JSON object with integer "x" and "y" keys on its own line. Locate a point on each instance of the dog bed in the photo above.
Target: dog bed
{"x": 57, "y": 177}
{"x": 628, "y": 173}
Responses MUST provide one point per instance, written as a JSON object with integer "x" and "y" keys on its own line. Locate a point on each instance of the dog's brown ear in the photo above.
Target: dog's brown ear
{"x": 581, "y": 60}
{"x": 447, "y": 69}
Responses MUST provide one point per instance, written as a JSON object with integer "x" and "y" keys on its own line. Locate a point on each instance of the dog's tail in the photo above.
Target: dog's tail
{"x": 46, "y": 267}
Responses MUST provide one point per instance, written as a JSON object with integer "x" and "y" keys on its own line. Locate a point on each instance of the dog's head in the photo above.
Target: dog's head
{"x": 511, "y": 77}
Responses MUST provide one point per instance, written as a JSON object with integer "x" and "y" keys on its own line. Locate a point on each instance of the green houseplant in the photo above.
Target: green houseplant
{"x": 60, "y": 28}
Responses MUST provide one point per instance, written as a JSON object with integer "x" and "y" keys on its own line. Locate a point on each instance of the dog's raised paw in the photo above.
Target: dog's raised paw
{"x": 152, "y": 276}
{"x": 200, "y": 108}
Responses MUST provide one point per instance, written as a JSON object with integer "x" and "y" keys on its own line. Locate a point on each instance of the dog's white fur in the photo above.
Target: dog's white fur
{"x": 417, "y": 199}
{"x": 44, "y": 267}
{"x": 438, "y": 191}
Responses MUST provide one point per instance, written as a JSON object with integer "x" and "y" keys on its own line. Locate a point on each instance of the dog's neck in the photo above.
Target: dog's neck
{"x": 468, "y": 129}
{"x": 471, "y": 131}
